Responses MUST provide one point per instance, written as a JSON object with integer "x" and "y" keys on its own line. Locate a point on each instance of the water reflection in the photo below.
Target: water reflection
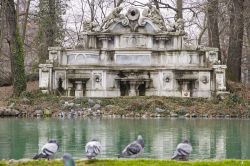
{"x": 211, "y": 139}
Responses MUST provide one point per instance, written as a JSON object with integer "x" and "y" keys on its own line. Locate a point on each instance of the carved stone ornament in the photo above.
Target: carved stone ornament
{"x": 97, "y": 78}
{"x": 204, "y": 79}
{"x": 53, "y": 52}
{"x": 166, "y": 79}
{"x": 89, "y": 26}
{"x": 45, "y": 69}
{"x": 114, "y": 17}
{"x": 133, "y": 14}
{"x": 154, "y": 14}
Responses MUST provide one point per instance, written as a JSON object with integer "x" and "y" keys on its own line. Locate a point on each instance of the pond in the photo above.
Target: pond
{"x": 211, "y": 138}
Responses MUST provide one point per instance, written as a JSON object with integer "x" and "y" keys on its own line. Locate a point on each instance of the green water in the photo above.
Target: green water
{"x": 211, "y": 139}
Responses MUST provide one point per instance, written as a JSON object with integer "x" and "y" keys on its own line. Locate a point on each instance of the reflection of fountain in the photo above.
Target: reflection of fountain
{"x": 211, "y": 139}
{"x": 42, "y": 128}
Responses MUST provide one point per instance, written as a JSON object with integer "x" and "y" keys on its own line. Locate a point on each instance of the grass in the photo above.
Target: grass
{"x": 139, "y": 162}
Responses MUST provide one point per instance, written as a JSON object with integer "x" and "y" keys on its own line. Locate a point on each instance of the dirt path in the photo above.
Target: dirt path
{"x": 6, "y": 91}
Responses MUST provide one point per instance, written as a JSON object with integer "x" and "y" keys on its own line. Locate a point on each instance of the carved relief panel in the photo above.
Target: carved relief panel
{"x": 204, "y": 81}
{"x": 82, "y": 58}
{"x": 167, "y": 80}
{"x": 133, "y": 40}
{"x": 97, "y": 80}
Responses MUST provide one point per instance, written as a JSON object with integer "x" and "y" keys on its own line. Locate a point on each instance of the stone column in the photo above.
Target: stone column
{"x": 55, "y": 54}
{"x": 45, "y": 77}
{"x": 220, "y": 77}
{"x": 78, "y": 90}
{"x": 68, "y": 91}
{"x": 132, "y": 91}
{"x": 162, "y": 40}
{"x": 104, "y": 40}
{"x": 185, "y": 91}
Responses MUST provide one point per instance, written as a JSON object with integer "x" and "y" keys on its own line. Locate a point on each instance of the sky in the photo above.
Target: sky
{"x": 78, "y": 11}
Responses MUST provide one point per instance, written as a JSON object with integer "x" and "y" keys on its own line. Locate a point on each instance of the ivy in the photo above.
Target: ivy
{"x": 19, "y": 80}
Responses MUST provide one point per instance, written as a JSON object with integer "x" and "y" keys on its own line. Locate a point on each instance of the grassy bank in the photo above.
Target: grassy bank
{"x": 132, "y": 163}
{"x": 236, "y": 104}
{"x": 231, "y": 105}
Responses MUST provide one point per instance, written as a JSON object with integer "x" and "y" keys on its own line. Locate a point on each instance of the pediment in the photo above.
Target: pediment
{"x": 149, "y": 20}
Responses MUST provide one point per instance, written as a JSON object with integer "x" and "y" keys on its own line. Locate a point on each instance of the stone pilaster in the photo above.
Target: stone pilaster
{"x": 45, "y": 77}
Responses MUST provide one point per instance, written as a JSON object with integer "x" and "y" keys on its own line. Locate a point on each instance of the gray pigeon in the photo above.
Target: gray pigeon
{"x": 134, "y": 149}
{"x": 92, "y": 148}
{"x": 182, "y": 151}
{"x": 68, "y": 160}
{"x": 48, "y": 150}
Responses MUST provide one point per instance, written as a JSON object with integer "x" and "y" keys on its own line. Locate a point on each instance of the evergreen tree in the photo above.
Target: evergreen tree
{"x": 50, "y": 24}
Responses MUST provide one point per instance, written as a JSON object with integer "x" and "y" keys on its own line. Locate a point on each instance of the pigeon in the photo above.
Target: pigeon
{"x": 182, "y": 151}
{"x": 134, "y": 149}
{"x": 92, "y": 148}
{"x": 68, "y": 160}
{"x": 48, "y": 150}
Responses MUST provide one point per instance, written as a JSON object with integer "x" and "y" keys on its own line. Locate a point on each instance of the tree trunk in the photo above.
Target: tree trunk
{"x": 156, "y": 3}
{"x": 25, "y": 20}
{"x": 235, "y": 40}
{"x": 50, "y": 35}
{"x": 247, "y": 28}
{"x": 212, "y": 24}
{"x": 92, "y": 9}
{"x": 16, "y": 49}
{"x": 179, "y": 5}
{"x": 2, "y": 11}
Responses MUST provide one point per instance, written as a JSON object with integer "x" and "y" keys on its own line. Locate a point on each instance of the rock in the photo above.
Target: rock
{"x": 98, "y": 112}
{"x": 205, "y": 116}
{"x": 159, "y": 110}
{"x": 14, "y": 112}
{"x": 99, "y": 102}
{"x": 25, "y": 101}
{"x": 193, "y": 115}
{"x": 187, "y": 115}
{"x": 47, "y": 112}
{"x": 158, "y": 115}
{"x": 172, "y": 114}
{"x": 23, "y": 114}
{"x": 78, "y": 105}
{"x": 96, "y": 106}
{"x": 61, "y": 102}
{"x": 219, "y": 116}
{"x": 91, "y": 102}
{"x": 7, "y": 112}
{"x": 2, "y": 111}
{"x": 68, "y": 105}
{"x": 38, "y": 113}
{"x": 153, "y": 115}
{"x": 109, "y": 107}
{"x": 12, "y": 105}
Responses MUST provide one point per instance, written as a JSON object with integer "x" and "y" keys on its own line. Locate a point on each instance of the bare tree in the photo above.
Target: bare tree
{"x": 235, "y": 40}
{"x": 179, "y": 6}
{"x": 212, "y": 24}
{"x": 16, "y": 49}
{"x": 2, "y": 11}
{"x": 24, "y": 26}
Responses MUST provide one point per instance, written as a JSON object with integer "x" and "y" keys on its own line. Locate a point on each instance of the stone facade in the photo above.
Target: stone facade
{"x": 133, "y": 54}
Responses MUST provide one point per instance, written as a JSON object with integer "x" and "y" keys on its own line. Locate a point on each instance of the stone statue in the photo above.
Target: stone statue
{"x": 112, "y": 17}
{"x": 178, "y": 26}
{"x": 89, "y": 26}
{"x": 155, "y": 15}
